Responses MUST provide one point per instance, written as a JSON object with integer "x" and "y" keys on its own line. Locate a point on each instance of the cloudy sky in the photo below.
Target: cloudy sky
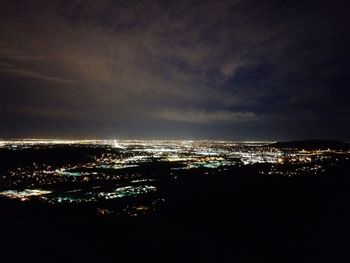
{"x": 241, "y": 70}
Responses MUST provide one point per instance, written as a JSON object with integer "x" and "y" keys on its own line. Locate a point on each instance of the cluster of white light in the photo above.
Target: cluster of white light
{"x": 17, "y": 194}
{"x": 120, "y": 192}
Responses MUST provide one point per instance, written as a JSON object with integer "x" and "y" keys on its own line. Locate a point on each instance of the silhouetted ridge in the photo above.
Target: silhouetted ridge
{"x": 314, "y": 144}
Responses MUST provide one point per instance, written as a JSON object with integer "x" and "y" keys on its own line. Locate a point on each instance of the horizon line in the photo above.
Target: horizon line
{"x": 114, "y": 139}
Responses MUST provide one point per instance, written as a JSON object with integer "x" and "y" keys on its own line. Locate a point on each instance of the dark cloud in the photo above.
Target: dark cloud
{"x": 182, "y": 69}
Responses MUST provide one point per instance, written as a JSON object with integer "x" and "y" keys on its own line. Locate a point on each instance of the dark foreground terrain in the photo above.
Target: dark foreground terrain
{"x": 234, "y": 214}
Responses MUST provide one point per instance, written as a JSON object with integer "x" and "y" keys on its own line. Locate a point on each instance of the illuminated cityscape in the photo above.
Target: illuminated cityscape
{"x": 122, "y": 176}
{"x": 174, "y": 131}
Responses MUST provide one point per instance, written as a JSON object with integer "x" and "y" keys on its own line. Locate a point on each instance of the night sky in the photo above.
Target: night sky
{"x": 240, "y": 70}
